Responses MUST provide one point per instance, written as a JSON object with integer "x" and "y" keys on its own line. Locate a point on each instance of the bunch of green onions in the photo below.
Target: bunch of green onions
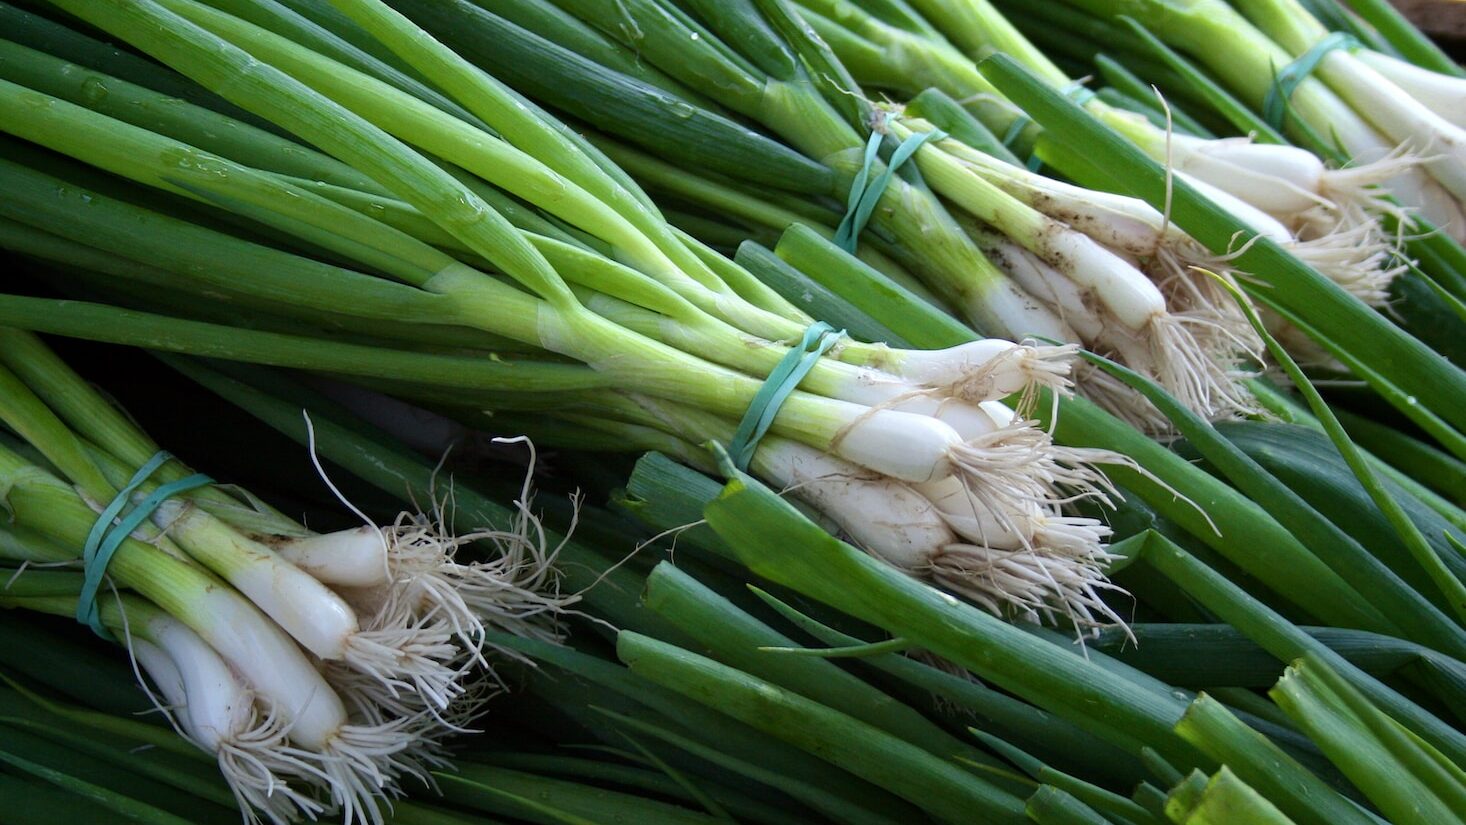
{"x": 693, "y": 78}
{"x": 1109, "y": 272}
{"x": 320, "y": 669}
{"x": 1346, "y": 109}
{"x": 513, "y": 237}
{"x": 1328, "y": 217}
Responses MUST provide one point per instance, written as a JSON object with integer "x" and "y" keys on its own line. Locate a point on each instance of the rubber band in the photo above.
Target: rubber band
{"x": 1015, "y": 129}
{"x": 109, "y": 532}
{"x": 1287, "y": 81}
{"x": 1079, "y": 93}
{"x": 866, "y": 192}
{"x": 777, "y": 388}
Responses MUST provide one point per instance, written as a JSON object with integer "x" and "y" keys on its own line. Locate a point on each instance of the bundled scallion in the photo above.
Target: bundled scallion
{"x": 614, "y": 288}
{"x": 1329, "y": 218}
{"x": 777, "y": 72}
{"x": 349, "y": 655}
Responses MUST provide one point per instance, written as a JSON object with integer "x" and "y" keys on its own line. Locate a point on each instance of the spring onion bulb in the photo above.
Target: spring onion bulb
{"x": 1033, "y": 565}
{"x": 1440, "y": 144}
{"x": 885, "y": 517}
{"x": 1441, "y": 94}
{"x": 218, "y": 712}
{"x": 1095, "y": 289}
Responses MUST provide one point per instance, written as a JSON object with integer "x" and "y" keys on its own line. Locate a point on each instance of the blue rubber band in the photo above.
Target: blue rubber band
{"x": 782, "y": 382}
{"x": 109, "y": 532}
{"x": 1015, "y": 129}
{"x": 1287, "y": 81}
{"x": 1079, "y": 93}
{"x": 866, "y": 192}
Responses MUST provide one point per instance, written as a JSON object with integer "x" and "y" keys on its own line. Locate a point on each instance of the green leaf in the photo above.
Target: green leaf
{"x": 690, "y": 133}
{"x": 1409, "y": 533}
{"x": 120, "y": 804}
{"x": 1420, "y": 620}
{"x": 922, "y": 778}
{"x": 1281, "y": 638}
{"x": 1261, "y": 764}
{"x": 873, "y": 293}
{"x": 737, "y": 639}
{"x": 1405, "y": 778}
{"x": 1209, "y": 90}
{"x": 1405, "y": 37}
{"x": 1222, "y": 799}
{"x": 1051, "y": 806}
{"x": 819, "y": 301}
{"x": 682, "y": 780}
{"x": 776, "y": 542}
{"x": 819, "y": 797}
{"x": 999, "y": 713}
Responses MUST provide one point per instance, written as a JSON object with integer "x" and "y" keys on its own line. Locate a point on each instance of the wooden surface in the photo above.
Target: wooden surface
{"x": 1440, "y": 18}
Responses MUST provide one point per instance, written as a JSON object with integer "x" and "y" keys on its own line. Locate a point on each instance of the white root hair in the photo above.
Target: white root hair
{"x": 1033, "y": 585}
{"x": 404, "y": 654}
{"x": 422, "y": 631}
{"x": 1117, "y": 398}
{"x": 1031, "y": 564}
{"x": 1013, "y": 468}
{"x": 516, "y": 589}
{"x": 1043, "y": 367}
{"x": 1355, "y": 195}
{"x": 1359, "y": 259}
{"x": 1191, "y": 367}
{"x": 362, "y": 765}
{"x": 264, "y": 773}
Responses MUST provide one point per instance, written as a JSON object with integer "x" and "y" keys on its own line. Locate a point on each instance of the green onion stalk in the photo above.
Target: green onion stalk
{"x": 774, "y": 88}
{"x": 920, "y": 367}
{"x": 1320, "y": 113}
{"x": 758, "y": 61}
{"x": 631, "y": 329}
{"x": 1327, "y": 217}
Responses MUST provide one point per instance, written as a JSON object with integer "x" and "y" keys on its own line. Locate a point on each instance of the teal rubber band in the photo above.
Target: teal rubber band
{"x": 1015, "y": 129}
{"x": 866, "y": 192}
{"x": 844, "y": 237}
{"x": 1079, "y": 93}
{"x": 1287, "y": 81}
{"x": 109, "y": 532}
{"x": 777, "y": 388}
